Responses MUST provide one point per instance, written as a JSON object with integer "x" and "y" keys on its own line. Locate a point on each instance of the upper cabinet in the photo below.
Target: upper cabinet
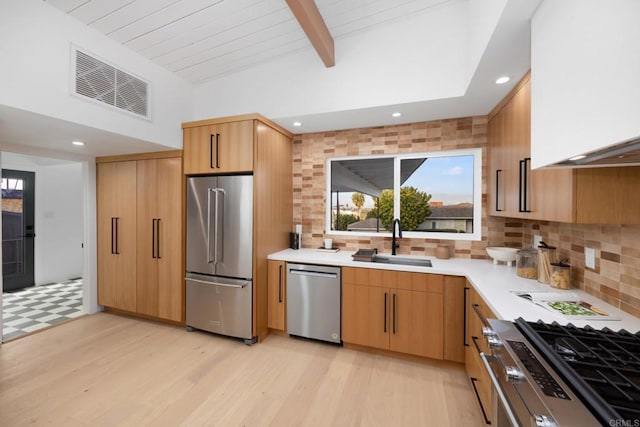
{"x": 515, "y": 190}
{"x": 585, "y": 77}
{"x": 219, "y": 148}
{"x": 589, "y": 196}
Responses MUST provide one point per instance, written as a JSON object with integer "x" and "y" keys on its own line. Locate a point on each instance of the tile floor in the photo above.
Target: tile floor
{"x": 37, "y": 307}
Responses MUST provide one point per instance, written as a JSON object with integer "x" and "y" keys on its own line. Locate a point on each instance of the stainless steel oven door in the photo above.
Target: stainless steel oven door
{"x": 526, "y": 389}
{"x": 507, "y": 411}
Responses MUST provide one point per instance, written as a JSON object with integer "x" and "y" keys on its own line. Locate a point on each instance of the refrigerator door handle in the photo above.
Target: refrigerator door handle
{"x": 219, "y": 243}
{"x": 226, "y": 285}
{"x": 210, "y": 259}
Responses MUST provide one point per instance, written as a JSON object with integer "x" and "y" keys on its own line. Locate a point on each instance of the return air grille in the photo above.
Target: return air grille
{"x": 107, "y": 84}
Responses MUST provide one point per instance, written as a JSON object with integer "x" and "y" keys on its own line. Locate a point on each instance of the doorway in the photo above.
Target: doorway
{"x": 18, "y": 234}
{"x": 55, "y": 293}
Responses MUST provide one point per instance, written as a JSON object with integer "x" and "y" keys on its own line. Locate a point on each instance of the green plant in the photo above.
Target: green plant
{"x": 414, "y": 208}
{"x": 343, "y": 220}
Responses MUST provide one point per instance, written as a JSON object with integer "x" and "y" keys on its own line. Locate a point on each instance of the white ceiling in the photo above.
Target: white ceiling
{"x": 201, "y": 40}
{"x": 210, "y": 40}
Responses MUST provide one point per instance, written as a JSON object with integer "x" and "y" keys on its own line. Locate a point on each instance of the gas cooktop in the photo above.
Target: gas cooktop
{"x": 602, "y": 367}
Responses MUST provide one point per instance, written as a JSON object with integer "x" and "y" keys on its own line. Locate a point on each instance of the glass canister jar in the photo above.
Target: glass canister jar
{"x": 560, "y": 275}
{"x": 546, "y": 257}
{"x": 527, "y": 263}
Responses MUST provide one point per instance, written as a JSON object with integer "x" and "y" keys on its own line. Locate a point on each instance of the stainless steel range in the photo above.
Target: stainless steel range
{"x": 553, "y": 375}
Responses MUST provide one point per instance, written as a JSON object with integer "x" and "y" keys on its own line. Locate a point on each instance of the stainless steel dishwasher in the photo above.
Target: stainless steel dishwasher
{"x": 313, "y": 301}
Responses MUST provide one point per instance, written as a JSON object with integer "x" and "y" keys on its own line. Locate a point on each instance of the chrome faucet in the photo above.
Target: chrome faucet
{"x": 394, "y": 244}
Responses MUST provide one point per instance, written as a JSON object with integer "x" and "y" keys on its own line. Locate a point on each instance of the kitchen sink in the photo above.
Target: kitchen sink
{"x": 394, "y": 259}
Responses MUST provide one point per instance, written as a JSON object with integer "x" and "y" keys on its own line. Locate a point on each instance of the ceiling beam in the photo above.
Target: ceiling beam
{"x": 309, "y": 18}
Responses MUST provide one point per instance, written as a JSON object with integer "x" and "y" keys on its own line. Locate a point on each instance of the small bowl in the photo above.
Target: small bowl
{"x": 501, "y": 253}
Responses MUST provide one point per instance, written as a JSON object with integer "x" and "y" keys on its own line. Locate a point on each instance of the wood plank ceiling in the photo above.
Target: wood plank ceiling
{"x": 201, "y": 40}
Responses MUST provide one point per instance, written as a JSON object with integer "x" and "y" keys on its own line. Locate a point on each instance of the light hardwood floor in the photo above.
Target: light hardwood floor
{"x": 108, "y": 370}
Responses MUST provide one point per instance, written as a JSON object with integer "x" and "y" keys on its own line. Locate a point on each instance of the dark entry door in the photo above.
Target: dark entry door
{"x": 18, "y": 190}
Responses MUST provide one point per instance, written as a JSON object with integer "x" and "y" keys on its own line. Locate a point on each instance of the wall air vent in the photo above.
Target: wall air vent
{"x": 107, "y": 84}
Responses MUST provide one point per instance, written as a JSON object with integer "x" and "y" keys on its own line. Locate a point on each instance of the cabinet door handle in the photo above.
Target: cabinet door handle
{"x": 153, "y": 238}
{"x": 525, "y": 198}
{"x": 477, "y": 310}
{"x": 385, "y": 313}
{"x": 218, "y": 150}
{"x": 117, "y": 236}
{"x": 464, "y": 317}
{"x": 113, "y": 235}
{"x": 158, "y": 238}
{"x": 475, "y": 343}
{"x": 475, "y": 389}
{"x": 211, "y": 151}
{"x": 498, "y": 175}
{"x": 394, "y": 313}
{"x": 523, "y": 183}
{"x": 520, "y": 182}
{"x": 280, "y": 283}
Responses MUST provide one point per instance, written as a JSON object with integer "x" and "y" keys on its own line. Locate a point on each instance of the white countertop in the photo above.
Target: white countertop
{"x": 495, "y": 283}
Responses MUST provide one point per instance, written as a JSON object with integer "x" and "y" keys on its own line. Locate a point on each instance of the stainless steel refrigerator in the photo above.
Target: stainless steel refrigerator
{"x": 220, "y": 255}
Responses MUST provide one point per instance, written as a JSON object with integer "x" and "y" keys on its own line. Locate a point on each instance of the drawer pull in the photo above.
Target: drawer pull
{"x": 475, "y": 390}
{"x": 477, "y": 310}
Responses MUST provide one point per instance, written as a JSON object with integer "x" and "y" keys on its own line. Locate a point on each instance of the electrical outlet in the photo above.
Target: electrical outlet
{"x": 590, "y": 258}
{"x": 536, "y": 240}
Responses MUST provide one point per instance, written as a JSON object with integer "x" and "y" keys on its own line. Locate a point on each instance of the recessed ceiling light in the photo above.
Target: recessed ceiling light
{"x": 574, "y": 158}
{"x": 502, "y": 80}
{"x": 297, "y": 124}
{"x": 396, "y": 114}
{"x": 78, "y": 143}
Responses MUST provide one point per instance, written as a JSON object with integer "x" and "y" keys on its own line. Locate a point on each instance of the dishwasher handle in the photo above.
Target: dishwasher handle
{"x": 313, "y": 273}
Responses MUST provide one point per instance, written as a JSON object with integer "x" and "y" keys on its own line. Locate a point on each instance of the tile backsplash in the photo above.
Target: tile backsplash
{"x": 311, "y": 151}
{"x": 616, "y": 278}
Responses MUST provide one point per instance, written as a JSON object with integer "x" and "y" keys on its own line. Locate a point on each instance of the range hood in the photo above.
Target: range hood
{"x": 626, "y": 153}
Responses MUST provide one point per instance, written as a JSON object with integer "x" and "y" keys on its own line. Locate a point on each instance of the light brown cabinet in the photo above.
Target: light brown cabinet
{"x": 477, "y": 312}
{"x": 515, "y": 190}
{"x": 159, "y": 238}
{"x": 140, "y": 245}
{"x": 277, "y": 294}
{"x": 392, "y": 310}
{"x": 219, "y": 148}
{"x": 563, "y": 195}
{"x": 454, "y": 295}
{"x": 116, "y": 215}
{"x": 250, "y": 144}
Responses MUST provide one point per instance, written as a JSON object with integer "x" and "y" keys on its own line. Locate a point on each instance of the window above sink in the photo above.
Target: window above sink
{"x": 436, "y": 195}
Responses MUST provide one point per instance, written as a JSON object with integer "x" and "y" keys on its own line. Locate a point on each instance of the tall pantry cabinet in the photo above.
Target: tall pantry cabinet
{"x": 116, "y": 234}
{"x": 140, "y": 238}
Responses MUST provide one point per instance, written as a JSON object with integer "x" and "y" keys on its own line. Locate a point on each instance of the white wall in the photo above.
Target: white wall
{"x": 585, "y": 77}
{"x": 399, "y": 62}
{"x": 35, "y": 71}
{"x": 59, "y": 222}
{"x": 58, "y": 216}
{"x": 482, "y": 18}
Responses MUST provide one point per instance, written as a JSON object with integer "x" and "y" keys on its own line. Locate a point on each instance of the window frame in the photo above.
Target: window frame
{"x": 397, "y": 158}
